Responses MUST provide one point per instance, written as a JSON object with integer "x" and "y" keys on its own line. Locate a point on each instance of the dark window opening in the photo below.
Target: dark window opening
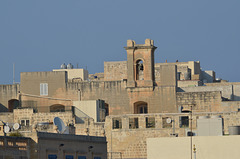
{"x": 184, "y": 122}
{"x": 117, "y": 123}
{"x": 52, "y": 156}
{"x": 140, "y": 108}
{"x": 27, "y": 122}
{"x": 150, "y": 122}
{"x": 189, "y": 133}
{"x": 69, "y": 157}
{"x": 133, "y": 123}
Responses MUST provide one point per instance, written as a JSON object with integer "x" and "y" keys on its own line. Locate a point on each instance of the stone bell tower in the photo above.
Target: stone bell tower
{"x": 140, "y": 63}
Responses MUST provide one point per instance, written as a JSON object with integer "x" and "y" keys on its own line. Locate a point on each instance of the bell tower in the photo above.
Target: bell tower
{"x": 140, "y": 63}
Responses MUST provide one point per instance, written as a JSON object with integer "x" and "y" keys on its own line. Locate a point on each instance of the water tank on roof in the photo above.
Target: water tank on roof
{"x": 69, "y": 66}
{"x": 63, "y": 66}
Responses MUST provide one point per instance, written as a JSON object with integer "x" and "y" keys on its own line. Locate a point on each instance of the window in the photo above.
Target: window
{"x": 133, "y": 123}
{"x": 140, "y": 107}
{"x": 43, "y": 89}
{"x": 97, "y": 157}
{"x": 69, "y": 157}
{"x": 150, "y": 122}
{"x": 189, "y": 133}
{"x": 81, "y": 157}
{"x": 184, "y": 122}
{"x": 117, "y": 123}
{"x": 52, "y": 156}
{"x": 166, "y": 122}
{"x": 25, "y": 122}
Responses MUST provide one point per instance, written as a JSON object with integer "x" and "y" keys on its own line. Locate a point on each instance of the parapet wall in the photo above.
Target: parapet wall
{"x": 115, "y": 70}
{"x": 226, "y": 90}
{"x": 124, "y": 137}
{"x": 201, "y": 101}
{"x": 8, "y": 92}
{"x": 121, "y": 99}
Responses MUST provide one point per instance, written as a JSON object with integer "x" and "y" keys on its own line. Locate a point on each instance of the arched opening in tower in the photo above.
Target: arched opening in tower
{"x": 139, "y": 70}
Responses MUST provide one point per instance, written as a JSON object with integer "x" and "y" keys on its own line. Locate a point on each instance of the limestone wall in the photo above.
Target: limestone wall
{"x": 96, "y": 77}
{"x": 230, "y": 105}
{"x": 194, "y": 67}
{"x": 131, "y": 141}
{"x": 36, "y": 118}
{"x": 72, "y": 145}
{"x": 201, "y": 101}
{"x": 210, "y": 147}
{"x": 8, "y": 92}
{"x": 115, "y": 70}
{"x": 188, "y": 84}
{"x": 6, "y": 117}
{"x": 226, "y": 90}
{"x": 42, "y": 104}
{"x": 30, "y": 82}
{"x": 30, "y": 88}
{"x": 17, "y": 147}
{"x": 75, "y": 74}
{"x": 121, "y": 99}
{"x": 89, "y": 127}
{"x": 235, "y": 94}
{"x": 167, "y": 75}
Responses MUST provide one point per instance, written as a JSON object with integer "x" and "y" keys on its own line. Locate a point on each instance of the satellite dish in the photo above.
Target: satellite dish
{"x": 60, "y": 125}
{"x": 16, "y": 126}
{"x": 6, "y": 129}
{"x": 169, "y": 120}
{"x": 66, "y": 131}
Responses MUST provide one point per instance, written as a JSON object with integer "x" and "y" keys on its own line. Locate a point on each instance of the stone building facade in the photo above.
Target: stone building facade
{"x": 137, "y": 85}
{"x": 44, "y": 145}
{"x": 126, "y": 135}
{"x": 139, "y": 97}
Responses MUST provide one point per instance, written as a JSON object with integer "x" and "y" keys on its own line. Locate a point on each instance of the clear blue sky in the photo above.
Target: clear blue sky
{"x": 40, "y": 35}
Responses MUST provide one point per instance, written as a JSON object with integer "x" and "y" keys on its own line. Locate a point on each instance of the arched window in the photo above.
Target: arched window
{"x": 57, "y": 108}
{"x": 13, "y": 104}
{"x": 139, "y": 70}
{"x": 140, "y": 107}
